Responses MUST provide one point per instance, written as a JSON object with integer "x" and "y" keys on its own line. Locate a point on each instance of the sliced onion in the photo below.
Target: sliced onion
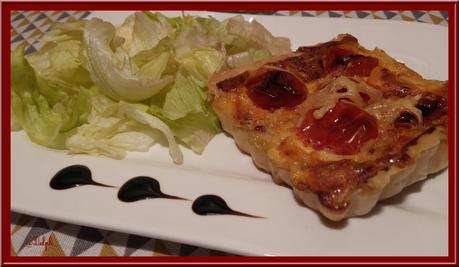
{"x": 327, "y": 97}
{"x": 391, "y": 109}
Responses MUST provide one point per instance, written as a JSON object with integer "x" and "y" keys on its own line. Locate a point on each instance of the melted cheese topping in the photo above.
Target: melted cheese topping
{"x": 343, "y": 88}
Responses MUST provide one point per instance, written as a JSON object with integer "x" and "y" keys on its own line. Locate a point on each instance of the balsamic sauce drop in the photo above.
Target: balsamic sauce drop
{"x": 142, "y": 187}
{"x": 73, "y": 176}
{"x": 139, "y": 188}
{"x": 212, "y": 204}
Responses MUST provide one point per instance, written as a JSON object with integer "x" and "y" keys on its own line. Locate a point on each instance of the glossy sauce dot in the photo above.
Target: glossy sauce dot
{"x": 142, "y": 187}
{"x": 73, "y": 176}
{"x": 276, "y": 89}
{"x": 212, "y": 204}
{"x": 343, "y": 129}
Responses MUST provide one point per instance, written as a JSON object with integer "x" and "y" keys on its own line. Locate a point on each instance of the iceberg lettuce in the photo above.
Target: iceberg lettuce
{"x": 104, "y": 90}
{"x": 114, "y": 127}
{"x": 44, "y": 102}
{"x": 113, "y": 71}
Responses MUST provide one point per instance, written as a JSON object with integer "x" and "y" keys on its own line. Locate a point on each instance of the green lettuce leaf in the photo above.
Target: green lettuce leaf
{"x": 44, "y": 114}
{"x": 111, "y": 68}
{"x": 185, "y": 110}
{"x": 143, "y": 31}
{"x": 251, "y": 34}
{"x": 115, "y": 127}
{"x": 182, "y": 98}
{"x": 201, "y": 64}
{"x": 196, "y": 129}
{"x": 59, "y": 32}
{"x": 99, "y": 89}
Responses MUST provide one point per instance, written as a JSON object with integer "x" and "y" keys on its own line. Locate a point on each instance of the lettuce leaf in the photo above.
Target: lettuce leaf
{"x": 115, "y": 127}
{"x": 142, "y": 31}
{"x": 201, "y": 64}
{"x": 196, "y": 129}
{"x": 182, "y": 98}
{"x": 111, "y": 68}
{"x": 104, "y": 90}
{"x": 185, "y": 110}
{"x": 45, "y": 114}
{"x": 251, "y": 34}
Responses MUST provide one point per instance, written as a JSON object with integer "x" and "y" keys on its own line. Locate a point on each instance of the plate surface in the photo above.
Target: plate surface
{"x": 412, "y": 223}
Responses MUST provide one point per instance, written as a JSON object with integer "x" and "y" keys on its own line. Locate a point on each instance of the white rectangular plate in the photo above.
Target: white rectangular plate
{"x": 412, "y": 223}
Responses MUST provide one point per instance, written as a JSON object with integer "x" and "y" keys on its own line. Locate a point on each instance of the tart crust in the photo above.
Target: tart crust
{"x": 270, "y": 136}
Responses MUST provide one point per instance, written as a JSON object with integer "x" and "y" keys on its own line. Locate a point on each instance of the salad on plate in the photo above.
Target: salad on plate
{"x": 101, "y": 89}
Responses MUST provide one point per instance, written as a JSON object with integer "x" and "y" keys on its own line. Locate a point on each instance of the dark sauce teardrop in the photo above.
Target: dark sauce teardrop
{"x": 212, "y": 204}
{"x": 73, "y": 176}
{"x": 142, "y": 187}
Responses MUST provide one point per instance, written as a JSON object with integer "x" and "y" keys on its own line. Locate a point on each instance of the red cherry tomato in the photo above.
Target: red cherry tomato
{"x": 348, "y": 62}
{"x": 344, "y": 129}
{"x": 276, "y": 89}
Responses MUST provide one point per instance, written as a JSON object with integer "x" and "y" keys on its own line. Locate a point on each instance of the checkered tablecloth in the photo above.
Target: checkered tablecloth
{"x": 31, "y": 236}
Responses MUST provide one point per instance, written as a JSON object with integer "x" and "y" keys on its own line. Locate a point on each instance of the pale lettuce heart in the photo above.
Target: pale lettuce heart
{"x": 183, "y": 97}
{"x": 94, "y": 88}
{"x": 44, "y": 101}
{"x": 64, "y": 31}
{"x": 113, "y": 128}
{"x": 251, "y": 34}
{"x": 200, "y": 64}
{"x": 111, "y": 68}
{"x": 142, "y": 31}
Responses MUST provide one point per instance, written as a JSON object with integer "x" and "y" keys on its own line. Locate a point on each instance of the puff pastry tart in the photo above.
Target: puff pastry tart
{"x": 341, "y": 125}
